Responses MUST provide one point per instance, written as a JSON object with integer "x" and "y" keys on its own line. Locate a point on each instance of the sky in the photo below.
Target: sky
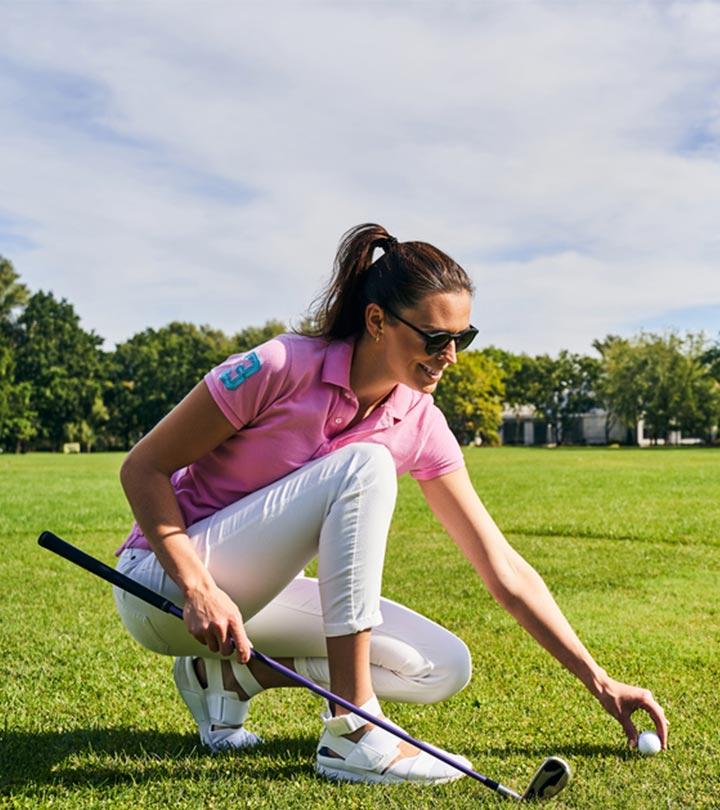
{"x": 199, "y": 161}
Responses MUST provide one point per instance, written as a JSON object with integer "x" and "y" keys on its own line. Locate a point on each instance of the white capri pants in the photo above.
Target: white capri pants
{"x": 337, "y": 508}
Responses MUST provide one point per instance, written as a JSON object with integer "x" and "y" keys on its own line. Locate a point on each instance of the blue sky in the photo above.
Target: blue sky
{"x": 200, "y": 161}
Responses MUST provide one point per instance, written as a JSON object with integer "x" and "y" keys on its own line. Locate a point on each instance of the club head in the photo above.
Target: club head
{"x": 550, "y": 778}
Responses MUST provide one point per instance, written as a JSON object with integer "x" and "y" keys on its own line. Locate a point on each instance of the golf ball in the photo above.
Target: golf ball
{"x": 648, "y": 743}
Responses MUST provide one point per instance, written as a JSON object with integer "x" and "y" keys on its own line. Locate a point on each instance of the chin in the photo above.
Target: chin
{"x": 425, "y": 386}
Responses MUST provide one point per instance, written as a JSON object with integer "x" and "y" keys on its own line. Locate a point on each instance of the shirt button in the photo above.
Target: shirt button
{"x": 338, "y": 420}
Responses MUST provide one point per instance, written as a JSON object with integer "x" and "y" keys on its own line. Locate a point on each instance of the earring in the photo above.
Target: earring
{"x": 378, "y": 335}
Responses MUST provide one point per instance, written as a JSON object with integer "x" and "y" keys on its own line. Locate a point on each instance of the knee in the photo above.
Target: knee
{"x": 452, "y": 674}
{"x": 376, "y": 466}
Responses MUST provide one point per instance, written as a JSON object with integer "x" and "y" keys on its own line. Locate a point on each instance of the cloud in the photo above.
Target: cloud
{"x": 200, "y": 161}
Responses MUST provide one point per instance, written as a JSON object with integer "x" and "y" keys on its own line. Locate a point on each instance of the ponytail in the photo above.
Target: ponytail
{"x": 401, "y": 277}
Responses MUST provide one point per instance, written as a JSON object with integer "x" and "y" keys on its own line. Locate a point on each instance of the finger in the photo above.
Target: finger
{"x": 211, "y": 641}
{"x": 200, "y": 637}
{"x": 240, "y": 641}
{"x": 629, "y": 728}
{"x": 655, "y": 711}
{"x": 227, "y": 646}
{"x": 243, "y": 647}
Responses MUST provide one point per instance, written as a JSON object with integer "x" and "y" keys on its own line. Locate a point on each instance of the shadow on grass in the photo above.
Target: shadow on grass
{"x": 567, "y": 751}
{"x": 127, "y": 756}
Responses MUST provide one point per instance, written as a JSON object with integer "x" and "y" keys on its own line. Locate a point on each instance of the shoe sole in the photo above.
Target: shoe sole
{"x": 341, "y": 775}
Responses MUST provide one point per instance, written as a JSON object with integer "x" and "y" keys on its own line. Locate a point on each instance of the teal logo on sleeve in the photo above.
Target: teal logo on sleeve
{"x": 236, "y": 376}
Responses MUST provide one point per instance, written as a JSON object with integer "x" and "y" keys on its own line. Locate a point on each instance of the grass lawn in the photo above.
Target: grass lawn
{"x": 627, "y": 540}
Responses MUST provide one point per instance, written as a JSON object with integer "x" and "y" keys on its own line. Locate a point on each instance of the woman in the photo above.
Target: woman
{"x": 291, "y": 452}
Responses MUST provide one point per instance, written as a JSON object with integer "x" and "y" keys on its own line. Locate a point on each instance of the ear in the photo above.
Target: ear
{"x": 374, "y": 319}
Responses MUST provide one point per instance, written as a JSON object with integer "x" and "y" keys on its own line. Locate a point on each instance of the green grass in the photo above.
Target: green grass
{"x": 628, "y": 540}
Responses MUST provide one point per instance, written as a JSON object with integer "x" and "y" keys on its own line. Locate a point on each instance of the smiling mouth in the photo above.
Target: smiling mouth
{"x": 432, "y": 373}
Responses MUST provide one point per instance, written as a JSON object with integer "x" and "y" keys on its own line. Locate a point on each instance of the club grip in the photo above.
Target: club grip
{"x": 52, "y": 542}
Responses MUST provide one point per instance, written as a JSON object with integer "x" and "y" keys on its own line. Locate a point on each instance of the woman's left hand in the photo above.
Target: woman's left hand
{"x": 620, "y": 700}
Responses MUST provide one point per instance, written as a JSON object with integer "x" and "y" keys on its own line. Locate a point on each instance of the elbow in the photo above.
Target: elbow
{"x": 509, "y": 584}
{"x": 126, "y": 470}
{"x": 127, "y": 474}
{"x": 141, "y": 471}
{"x": 133, "y": 470}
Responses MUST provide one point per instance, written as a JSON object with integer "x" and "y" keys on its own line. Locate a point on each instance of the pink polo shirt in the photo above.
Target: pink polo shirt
{"x": 290, "y": 401}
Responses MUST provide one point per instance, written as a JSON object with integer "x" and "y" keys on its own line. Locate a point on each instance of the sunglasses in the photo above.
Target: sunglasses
{"x": 435, "y": 342}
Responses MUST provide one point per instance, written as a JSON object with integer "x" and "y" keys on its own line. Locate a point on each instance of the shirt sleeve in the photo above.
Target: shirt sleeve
{"x": 440, "y": 452}
{"x": 246, "y": 384}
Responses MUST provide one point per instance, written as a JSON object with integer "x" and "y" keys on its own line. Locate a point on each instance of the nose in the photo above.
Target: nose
{"x": 449, "y": 353}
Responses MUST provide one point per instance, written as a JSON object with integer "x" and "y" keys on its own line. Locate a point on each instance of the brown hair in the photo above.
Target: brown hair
{"x": 404, "y": 274}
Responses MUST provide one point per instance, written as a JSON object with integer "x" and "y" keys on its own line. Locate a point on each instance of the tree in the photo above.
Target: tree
{"x": 87, "y": 431}
{"x": 253, "y": 336}
{"x": 153, "y": 370}
{"x": 661, "y": 379}
{"x": 13, "y": 295}
{"x": 710, "y": 358}
{"x": 516, "y": 372}
{"x": 61, "y": 363}
{"x": 559, "y": 389}
{"x": 564, "y": 388}
{"x": 470, "y": 395}
{"x": 17, "y": 419}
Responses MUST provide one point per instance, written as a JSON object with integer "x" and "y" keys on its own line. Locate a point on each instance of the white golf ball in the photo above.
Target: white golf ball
{"x": 648, "y": 743}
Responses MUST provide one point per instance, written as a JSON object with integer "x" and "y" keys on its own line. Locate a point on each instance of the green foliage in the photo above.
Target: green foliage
{"x": 61, "y": 362}
{"x": 17, "y": 418}
{"x": 153, "y": 370}
{"x": 13, "y": 295}
{"x": 565, "y": 388}
{"x": 18, "y": 421}
{"x": 663, "y": 379}
{"x": 710, "y": 358}
{"x": 56, "y": 384}
{"x": 558, "y": 388}
{"x": 87, "y": 431}
{"x": 470, "y": 395}
{"x": 517, "y": 372}
{"x": 253, "y": 336}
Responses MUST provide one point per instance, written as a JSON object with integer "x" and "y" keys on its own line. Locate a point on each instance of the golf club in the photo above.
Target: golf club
{"x": 549, "y": 779}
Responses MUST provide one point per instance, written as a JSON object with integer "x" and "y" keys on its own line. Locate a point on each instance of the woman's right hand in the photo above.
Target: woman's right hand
{"x": 192, "y": 429}
{"x": 212, "y": 617}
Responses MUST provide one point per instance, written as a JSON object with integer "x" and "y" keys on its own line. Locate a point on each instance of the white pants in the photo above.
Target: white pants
{"x": 337, "y": 508}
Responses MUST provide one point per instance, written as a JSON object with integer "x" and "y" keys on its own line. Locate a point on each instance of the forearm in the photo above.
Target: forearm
{"x": 519, "y": 589}
{"x": 158, "y": 514}
{"x": 528, "y": 600}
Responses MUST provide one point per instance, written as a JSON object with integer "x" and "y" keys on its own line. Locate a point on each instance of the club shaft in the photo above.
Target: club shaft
{"x": 379, "y": 721}
{"x": 53, "y": 543}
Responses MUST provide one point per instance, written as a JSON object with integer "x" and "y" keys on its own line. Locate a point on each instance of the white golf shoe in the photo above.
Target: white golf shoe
{"x": 374, "y": 757}
{"x": 219, "y": 713}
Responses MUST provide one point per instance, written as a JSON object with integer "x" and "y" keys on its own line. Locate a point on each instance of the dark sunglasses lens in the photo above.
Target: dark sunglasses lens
{"x": 465, "y": 339}
{"x": 439, "y": 342}
{"x": 436, "y": 343}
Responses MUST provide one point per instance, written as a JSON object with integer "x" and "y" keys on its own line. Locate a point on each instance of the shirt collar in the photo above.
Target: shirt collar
{"x": 336, "y": 371}
{"x": 336, "y": 366}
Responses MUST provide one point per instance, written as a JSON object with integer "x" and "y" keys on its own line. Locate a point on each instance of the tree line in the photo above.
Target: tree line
{"x": 58, "y": 385}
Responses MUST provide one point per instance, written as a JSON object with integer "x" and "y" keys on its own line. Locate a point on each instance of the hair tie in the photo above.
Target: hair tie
{"x": 390, "y": 243}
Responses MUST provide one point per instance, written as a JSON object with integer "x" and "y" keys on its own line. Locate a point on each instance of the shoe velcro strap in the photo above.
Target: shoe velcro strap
{"x": 375, "y": 751}
{"x": 226, "y": 708}
{"x": 213, "y": 673}
{"x": 347, "y": 723}
{"x": 245, "y": 678}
